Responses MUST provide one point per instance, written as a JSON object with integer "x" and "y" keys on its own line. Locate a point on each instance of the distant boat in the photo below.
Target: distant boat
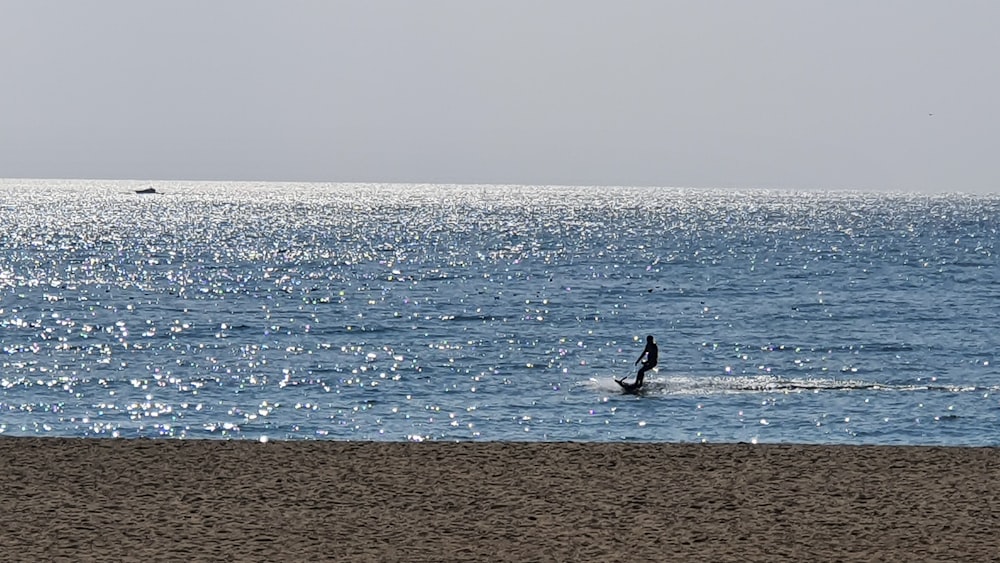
{"x": 146, "y": 191}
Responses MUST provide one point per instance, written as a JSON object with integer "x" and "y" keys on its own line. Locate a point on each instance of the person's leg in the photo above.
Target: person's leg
{"x": 641, "y": 375}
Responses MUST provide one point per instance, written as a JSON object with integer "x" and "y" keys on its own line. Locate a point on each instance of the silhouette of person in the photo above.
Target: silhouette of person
{"x": 651, "y": 352}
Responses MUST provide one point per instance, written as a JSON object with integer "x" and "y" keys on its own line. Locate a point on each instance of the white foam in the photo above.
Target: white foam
{"x": 728, "y": 385}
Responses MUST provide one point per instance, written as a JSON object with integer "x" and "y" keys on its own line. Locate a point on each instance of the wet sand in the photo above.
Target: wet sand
{"x": 169, "y": 500}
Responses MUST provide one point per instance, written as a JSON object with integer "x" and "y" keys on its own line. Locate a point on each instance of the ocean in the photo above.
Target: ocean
{"x": 270, "y": 311}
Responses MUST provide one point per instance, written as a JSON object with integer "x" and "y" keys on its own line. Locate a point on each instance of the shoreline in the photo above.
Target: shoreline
{"x": 114, "y": 499}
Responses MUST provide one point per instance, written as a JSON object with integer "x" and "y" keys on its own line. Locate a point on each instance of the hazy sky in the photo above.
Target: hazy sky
{"x": 871, "y": 94}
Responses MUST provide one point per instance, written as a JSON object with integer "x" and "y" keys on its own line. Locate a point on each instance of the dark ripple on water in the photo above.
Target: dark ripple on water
{"x": 411, "y": 312}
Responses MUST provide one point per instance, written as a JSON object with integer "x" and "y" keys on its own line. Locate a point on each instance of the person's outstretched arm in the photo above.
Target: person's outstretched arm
{"x": 644, "y": 350}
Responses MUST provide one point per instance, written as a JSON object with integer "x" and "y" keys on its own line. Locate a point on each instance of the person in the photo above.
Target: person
{"x": 651, "y": 352}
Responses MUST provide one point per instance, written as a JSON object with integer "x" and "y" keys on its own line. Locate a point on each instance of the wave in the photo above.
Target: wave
{"x": 693, "y": 385}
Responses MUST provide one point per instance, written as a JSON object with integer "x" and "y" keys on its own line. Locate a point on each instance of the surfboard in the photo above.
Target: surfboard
{"x": 628, "y": 387}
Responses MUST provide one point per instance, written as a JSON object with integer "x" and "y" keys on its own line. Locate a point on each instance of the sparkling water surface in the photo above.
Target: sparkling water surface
{"x": 423, "y": 312}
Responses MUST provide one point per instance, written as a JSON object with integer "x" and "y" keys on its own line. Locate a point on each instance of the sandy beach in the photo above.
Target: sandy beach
{"x": 169, "y": 500}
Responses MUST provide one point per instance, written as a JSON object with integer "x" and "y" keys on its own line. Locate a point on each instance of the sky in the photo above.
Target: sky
{"x": 800, "y": 94}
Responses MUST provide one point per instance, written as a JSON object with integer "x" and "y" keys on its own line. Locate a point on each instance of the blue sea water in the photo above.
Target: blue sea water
{"x": 428, "y": 312}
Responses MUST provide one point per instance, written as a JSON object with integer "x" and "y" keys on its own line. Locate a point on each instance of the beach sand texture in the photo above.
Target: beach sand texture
{"x": 170, "y": 500}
